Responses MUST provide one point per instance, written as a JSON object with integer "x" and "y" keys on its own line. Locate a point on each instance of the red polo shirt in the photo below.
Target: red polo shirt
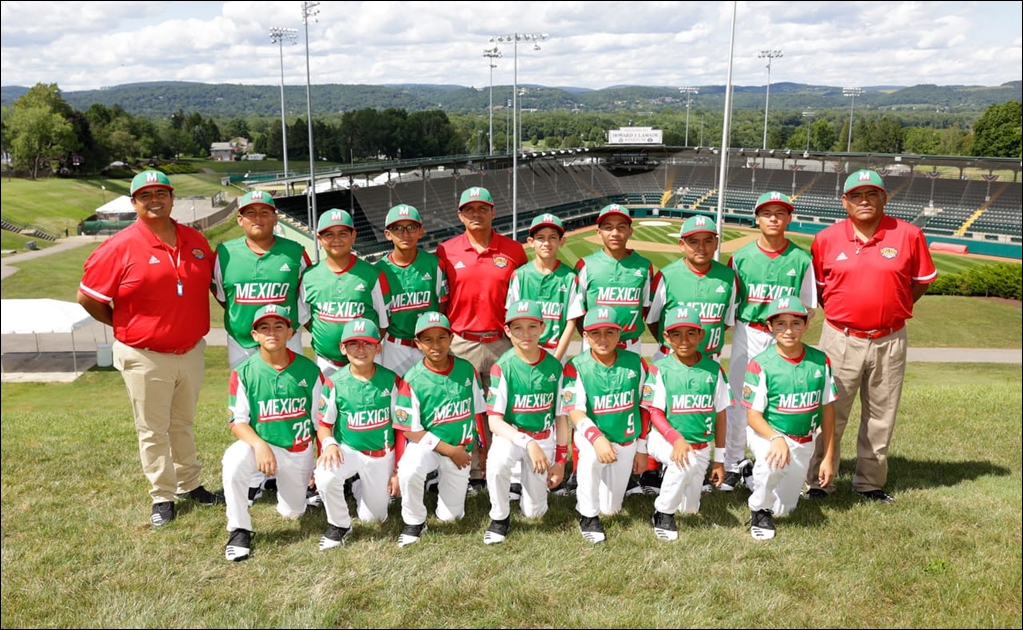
{"x": 140, "y": 275}
{"x": 868, "y": 286}
{"x": 478, "y": 281}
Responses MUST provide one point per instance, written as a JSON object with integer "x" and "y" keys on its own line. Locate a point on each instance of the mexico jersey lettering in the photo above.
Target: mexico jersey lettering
{"x": 554, "y": 291}
{"x": 245, "y": 281}
{"x": 415, "y": 288}
{"x": 689, "y": 396}
{"x": 443, "y": 404}
{"x": 360, "y": 412}
{"x": 623, "y": 285}
{"x": 610, "y": 396}
{"x": 526, "y": 395}
{"x": 764, "y": 276}
{"x": 278, "y": 404}
{"x": 713, "y": 294}
{"x": 328, "y": 300}
{"x": 789, "y": 394}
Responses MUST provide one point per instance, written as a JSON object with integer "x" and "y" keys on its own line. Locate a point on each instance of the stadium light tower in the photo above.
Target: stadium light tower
{"x": 515, "y": 38}
{"x": 853, "y": 92}
{"x": 309, "y": 11}
{"x": 279, "y": 36}
{"x": 491, "y": 54}
{"x": 810, "y": 115}
{"x": 688, "y": 91}
{"x": 770, "y": 55}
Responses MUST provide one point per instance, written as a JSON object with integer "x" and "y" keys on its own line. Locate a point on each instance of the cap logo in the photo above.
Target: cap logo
{"x": 700, "y": 221}
{"x": 256, "y": 194}
{"x": 775, "y": 196}
{"x": 522, "y": 307}
{"x": 270, "y": 309}
{"x": 603, "y": 313}
{"x": 864, "y": 176}
{"x": 152, "y": 177}
{"x": 336, "y": 215}
{"x": 548, "y": 218}
{"x": 359, "y": 327}
{"x": 433, "y": 318}
{"x": 474, "y": 192}
{"x": 403, "y": 211}
{"x": 682, "y": 313}
{"x": 783, "y": 302}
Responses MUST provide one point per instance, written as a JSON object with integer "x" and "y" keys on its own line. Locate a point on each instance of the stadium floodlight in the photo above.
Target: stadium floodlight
{"x": 279, "y": 36}
{"x": 853, "y": 92}
{"x": 309, "y": 11}
{"x": 688, "y": 91}
{"x": 491, "y": 54}
{"x": 514, "y": 39}
{"x": 769, "y": 55}
{"x": 810, "y": 115}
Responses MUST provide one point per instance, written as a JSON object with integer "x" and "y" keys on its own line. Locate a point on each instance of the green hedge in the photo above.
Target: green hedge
{"x": 1004, "y": 280}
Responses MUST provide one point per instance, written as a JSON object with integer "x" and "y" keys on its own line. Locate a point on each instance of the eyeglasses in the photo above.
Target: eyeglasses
{"x": 403, "y": 229}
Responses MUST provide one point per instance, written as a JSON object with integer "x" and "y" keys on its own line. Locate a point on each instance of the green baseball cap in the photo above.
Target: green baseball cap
{"x": 475, "y": 193}
{"x": 524, "y": 309}
{"x": 432, "y": 319}
{"x": 773, "y": 196}
{"x": 546, "y": 220}
{"x": 334, "y": 217}
{"x": 864, "y": 178}
{"x": 256, "y": 198}
{"x": 697, "y": 224}
{"x": 148, "y": 179}
{"x": 682, "y": 317}
{"x": 272, "y": 310}
{"x": 360, "y": 329}
{"x": 613, "y": 209}
{"x": 402, "y": 212}
{"x": 786, "y": 305}
{"x": 600, "y": 317}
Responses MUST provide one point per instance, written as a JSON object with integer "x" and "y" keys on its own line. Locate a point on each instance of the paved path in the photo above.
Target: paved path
{"x": 62, "y": 244}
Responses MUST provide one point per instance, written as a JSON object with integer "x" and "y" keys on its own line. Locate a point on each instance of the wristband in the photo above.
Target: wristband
{"x": 324, "y": 443}
{"x": 561, "y": 454}
{"x": 429, "y": 441}
{"x": 641, "y": 446}
{"x": 719, "y": 454}
{"x": 776, "y": 436}
{"x": 589, "y": 430}
{"x": 521, "y": 439}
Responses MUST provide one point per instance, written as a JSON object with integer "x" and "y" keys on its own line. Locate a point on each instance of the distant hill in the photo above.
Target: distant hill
{"x": 161, "y": 99}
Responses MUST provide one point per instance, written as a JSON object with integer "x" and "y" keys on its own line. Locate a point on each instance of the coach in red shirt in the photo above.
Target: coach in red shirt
{"x": 151, "y": 282}
{"x": 479, "y": 265}
{"x": 870, "y": 269}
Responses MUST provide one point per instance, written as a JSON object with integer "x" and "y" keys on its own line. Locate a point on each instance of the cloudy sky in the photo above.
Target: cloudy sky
{"x": 89, "y": 45}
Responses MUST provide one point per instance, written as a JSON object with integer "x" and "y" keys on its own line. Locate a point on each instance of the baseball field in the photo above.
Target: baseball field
{"x": 78, "y": 549}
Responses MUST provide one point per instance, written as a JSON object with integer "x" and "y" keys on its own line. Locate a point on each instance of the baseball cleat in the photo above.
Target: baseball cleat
{"x": 746, "y": 470}
{"x": 497, "y": 532}
{"x": 592, "y": 529}
{"x": 731, "y": 481}
{"x": 163, "y": 513}
{"x": 707, "y": 486}
{"x": 633, "y": 487}
{"x": 411, "y": 534}
{"x": 664, "y": 526}
{"x": 476, "y": 486}
{"x": 238, "y": 545}
{"x": 879, "y": 496}
{"x": 313, "y": 498}
{"x": 202, "y": 496}
{"x": 255, "y": 494}
{"x": 334, "y": 536}
{"x": 815, "y": 494}
{"x": 761, "y": 524}
{"x": 515, "y": 492}
{"x": 650, "y": 482}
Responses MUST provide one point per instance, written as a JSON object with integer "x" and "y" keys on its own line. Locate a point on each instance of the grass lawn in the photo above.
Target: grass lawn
{"x": 78, "y": 550}
{"x": 17, "y": 243}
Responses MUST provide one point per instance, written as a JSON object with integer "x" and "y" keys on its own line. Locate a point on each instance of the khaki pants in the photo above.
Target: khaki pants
{"x": 483, "y": 356}
{"x": 875, "y": 368}
{"x": 164, "y": 390}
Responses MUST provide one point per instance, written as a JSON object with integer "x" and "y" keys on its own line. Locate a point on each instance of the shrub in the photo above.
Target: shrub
{"x": 1004, "y": 280}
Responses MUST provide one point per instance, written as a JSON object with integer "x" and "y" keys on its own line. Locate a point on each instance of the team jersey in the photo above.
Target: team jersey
{"x": 713, "y": 293}
{"x": 327, "y": 300}
{"x": 280, "y": 403}
{"x": 555, "y": 291}
{"x": 525, "y": 394}
{"x": 478, "y": 280}
{"x": 623, "y": 285}
{"x": 446, "y": 404}
{"x": 789, "y": 393}
{"x": 244, "y": 281}
{"x": 417, "y": 287}
{"x": 689, "y": 396}
{"x": 610, "y": 396}
{"x": 360, "y": 412}
{"x": 763, "y": 276}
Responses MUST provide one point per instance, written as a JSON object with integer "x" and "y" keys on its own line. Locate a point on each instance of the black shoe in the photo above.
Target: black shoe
{"x": 731, "y": 481}
{"x": 255, "y": 494}
{"x": 567, "y": 487}
{"x": 515, "y": 492}
{"x": 497, "y": 532}
{"x": 202, "y": 496}
{"x": 410, "y": 534}
{"x": 431, "y": 481}
{"x": 239, "y": 544}
{"x": 270, "y": 484}
{"x": 592, "y": 529}
{"x": 312, "y": 497}
{"x": 650, "y": 482}
{"x": 761, "y": 524}
{"x": 746, "y": 471}
{"x": 664, "y": 526}
{"x": 633, "y": 487}
{"x": 707, "y": 486}
{"x": 815, "y": 494}
{"x": 163, "y": 513}
{"x": 880, "y": 496}
{"x": 476, "y": 486}
{"x": 334, "y": 537}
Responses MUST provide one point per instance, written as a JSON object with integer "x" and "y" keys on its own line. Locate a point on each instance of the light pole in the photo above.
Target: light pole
{"x": 769, "y": 55}
{"x": 479, "y": 136}
{"x": 688, "y": 91}
{"x": 514, "y": 39}
{"x": 279, "y": 36}
{"x": 309, "y": 11}
{"x": 809, "y": 115}
{"x": 853, "y": 92}
{"x": 491, "y": 54}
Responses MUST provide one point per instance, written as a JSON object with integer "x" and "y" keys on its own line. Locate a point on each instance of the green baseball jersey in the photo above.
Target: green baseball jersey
{"x": 360, "y": 412}
{"x": 763, "y": 276}
{"x": 327, "y": 300}
{"x": 623, "y": 285}
{"x": 713, "y": 293}
{"x": 278, "y": 404}
{"x": 443, "y": 404}
{"x": 610, "y": 396}
{"x": 555, "y": 291}
{"x": 790, "y": 394}
{"x": 525, "y": 394}
{"x": 415, "y": 288}
{"x": 244, "y": 281}
{"x": 689, "y": 396}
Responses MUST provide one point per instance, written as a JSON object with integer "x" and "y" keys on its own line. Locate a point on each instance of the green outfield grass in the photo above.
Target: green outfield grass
{"x": 78, "y": 550}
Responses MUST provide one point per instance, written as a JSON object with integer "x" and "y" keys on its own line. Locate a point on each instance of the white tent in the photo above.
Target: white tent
{"x": 117, "y": 209}
{"x": 43, "y": 316}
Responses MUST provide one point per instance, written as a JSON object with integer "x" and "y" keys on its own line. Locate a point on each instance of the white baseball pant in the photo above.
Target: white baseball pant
{"x": 398, "y": 357}
{"x": 452, "y": 483}
{"x": 777, "y": 489}
{"x": 747, "y": 342}
{"x": 681, "y": 487}
{"x": 372, "y": 500}
{"x": 601, "y": 488}
{"x": 293, "y": 473}
{"x": 501, "y": 460}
